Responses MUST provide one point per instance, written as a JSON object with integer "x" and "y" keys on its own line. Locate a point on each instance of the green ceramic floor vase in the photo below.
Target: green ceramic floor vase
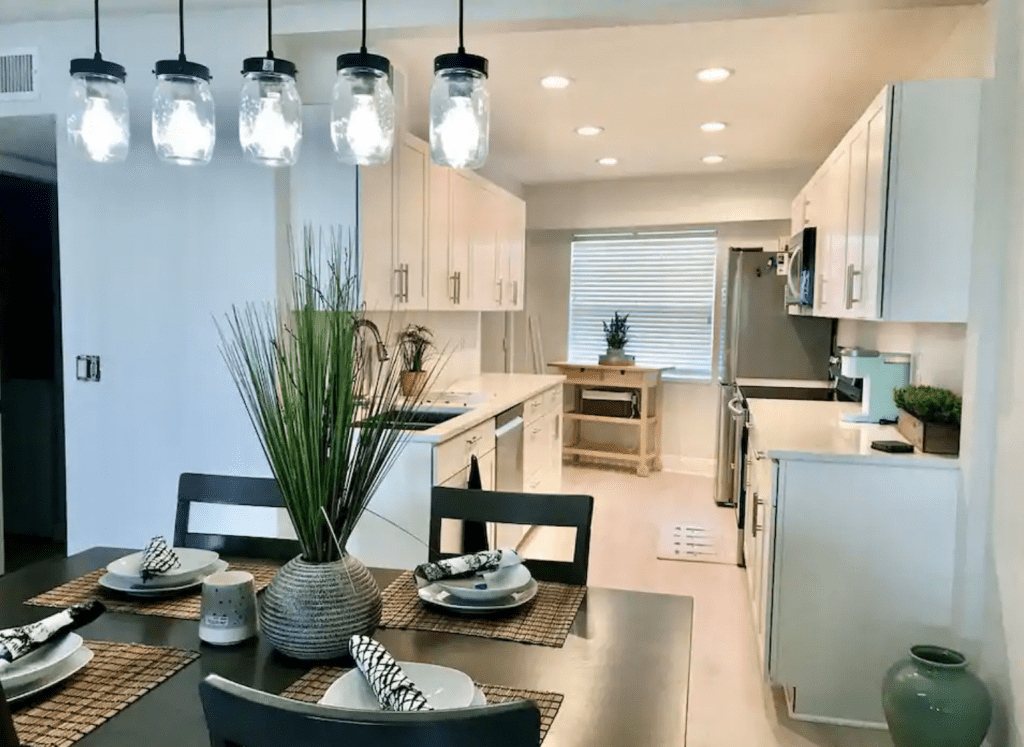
{"x": 931, "y": 700}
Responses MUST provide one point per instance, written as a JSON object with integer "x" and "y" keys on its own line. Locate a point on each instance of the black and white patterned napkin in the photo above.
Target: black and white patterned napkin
{"x": 16, "y": 642}
{"x": 465, "y": 565}
{"x": 157, "y": 558}
{"x": 394, "y": 690}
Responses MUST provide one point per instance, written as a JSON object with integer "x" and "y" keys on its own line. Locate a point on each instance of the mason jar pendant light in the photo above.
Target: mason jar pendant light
{"x": 363, "y": 107}
{"x": 270, "y": 113}
{"x": 98, "y": 117}
{"x": 460, "y": 111}
{"x": 184, "y": 125}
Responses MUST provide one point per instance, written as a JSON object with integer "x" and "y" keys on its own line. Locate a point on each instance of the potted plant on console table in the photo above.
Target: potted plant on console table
{"x": 616, "y": 335}
{"x": 325, "y": 425}
{"x": 930, "y": 418}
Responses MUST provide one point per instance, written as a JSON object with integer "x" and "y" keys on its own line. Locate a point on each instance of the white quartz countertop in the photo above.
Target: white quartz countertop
{"x": 494, "y": 393}
{"x": 806, "y": 430}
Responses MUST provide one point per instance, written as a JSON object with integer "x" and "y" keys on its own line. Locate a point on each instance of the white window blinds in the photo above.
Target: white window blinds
{"x": 665, "y": 281}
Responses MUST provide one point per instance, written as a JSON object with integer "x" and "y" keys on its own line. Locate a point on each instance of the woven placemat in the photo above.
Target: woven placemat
{"x": 118, "y": 675}
{"x": 183, "y": 606}
{"x": 311, "y": 686}
{"x": 544, "y": 621}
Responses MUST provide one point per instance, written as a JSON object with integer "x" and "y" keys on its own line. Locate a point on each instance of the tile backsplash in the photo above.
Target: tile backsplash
{"x": 938, "y": 350}
{"x": 456, "y": 335}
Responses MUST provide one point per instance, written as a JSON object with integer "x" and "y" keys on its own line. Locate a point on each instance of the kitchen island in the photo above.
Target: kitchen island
{"x": 393, "y": 532}
{"x": 850, "y": 555}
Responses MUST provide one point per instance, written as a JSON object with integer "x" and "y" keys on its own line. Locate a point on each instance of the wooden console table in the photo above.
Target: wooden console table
{"x": 646, "y": 382}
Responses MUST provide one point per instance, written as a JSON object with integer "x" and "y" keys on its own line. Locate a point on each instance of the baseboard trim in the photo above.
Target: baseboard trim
{"x": 689, "y": 465}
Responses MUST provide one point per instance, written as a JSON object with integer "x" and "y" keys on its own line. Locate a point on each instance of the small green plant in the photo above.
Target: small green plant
{"x": 615, "y": 333}
{"x": 415, "y": 342}
{"x": 930, "y": 404}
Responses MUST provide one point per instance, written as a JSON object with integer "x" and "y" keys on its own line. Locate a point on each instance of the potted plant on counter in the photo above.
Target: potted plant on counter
{"x": 616, "y": 333}
{"x": 930, "y": 418}
{"x": 415, "y": 342}
{"x": 324, "y": 419}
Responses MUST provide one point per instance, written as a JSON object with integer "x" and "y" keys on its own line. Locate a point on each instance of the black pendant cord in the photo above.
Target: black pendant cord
{"x": 96, "y": 20}
{"x": 181, "y": 30}
{"x": 462, "y": 42}
{"x": 362, "y": 48}
{"x": 270, "y": 29}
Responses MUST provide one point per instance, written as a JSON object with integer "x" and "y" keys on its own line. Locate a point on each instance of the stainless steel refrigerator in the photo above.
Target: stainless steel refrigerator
{"x": 761, "y": 342}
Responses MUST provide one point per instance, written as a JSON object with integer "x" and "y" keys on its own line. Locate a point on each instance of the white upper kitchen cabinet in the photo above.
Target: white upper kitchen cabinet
{"x": 485, "y": 253}
{"x": 377, "y": 229}
{"x": 897, "y": 207}
{"x": 512, "y": 253}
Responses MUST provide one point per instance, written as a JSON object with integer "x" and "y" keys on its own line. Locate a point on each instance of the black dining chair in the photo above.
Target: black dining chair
{"x": 238, "y": 716}
{"x": 8, "y": 734}
{"x": 536, "y": 509}
{"x": 234, "y": 491}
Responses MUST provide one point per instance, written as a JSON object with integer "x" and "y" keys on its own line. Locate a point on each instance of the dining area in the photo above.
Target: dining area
{"x": 552, "y": 662}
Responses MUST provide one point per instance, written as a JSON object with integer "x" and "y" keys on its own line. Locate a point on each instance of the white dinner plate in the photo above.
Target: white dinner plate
{"x": 116, "y": 583}
{"x": 433, "y": 594}
{"x": 194, "y": 564}
{"x": 68, "y": 667}
{"x": 36, "y": 665}
{"x": 488, "y": 587}
{"x": 444, "y": 688}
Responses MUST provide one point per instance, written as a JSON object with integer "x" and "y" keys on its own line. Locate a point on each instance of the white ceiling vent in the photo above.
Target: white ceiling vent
{"x": 19, "y": 74}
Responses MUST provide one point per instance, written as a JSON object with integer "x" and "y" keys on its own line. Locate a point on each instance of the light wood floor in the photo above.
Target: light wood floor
{"x": 728, "y": 706}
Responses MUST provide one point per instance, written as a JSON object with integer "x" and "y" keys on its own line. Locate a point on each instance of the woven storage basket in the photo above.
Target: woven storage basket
{"x": 310, "y": 610}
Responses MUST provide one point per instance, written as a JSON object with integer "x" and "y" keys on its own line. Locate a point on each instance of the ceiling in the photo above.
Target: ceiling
{"x": 30, "y": 139}
{"x": 799, "y": 84}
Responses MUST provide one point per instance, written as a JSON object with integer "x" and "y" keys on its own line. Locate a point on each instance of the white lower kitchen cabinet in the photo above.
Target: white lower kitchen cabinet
{"x": 861, "y": 567}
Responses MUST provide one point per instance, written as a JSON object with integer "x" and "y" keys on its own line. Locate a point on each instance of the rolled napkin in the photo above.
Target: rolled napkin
{"x": 157, "y": 558}
{"x": 16, "y": 642}
{"x": 466, "y": 565}
{"x": 394, "y": 690}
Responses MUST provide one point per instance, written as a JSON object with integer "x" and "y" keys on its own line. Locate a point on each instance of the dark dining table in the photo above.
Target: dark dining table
{"x": 624, "y": 669}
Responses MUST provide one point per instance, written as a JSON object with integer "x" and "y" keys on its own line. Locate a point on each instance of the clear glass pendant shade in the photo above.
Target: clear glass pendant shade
{"x": 98, "y": 117}
{"x": 362, "y": 117}
{"x": 184, "y": 125}
{"x": 270, "y": 119}
{"x": 460, "y": 118}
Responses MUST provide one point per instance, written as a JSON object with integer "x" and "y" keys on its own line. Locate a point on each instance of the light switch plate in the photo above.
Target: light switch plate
{"x": 782, "y": 263}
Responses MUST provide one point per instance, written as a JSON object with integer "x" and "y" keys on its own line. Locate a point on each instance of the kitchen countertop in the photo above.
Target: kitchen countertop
{"x": 505, "y": 390}
{"x": 813, "y": 431}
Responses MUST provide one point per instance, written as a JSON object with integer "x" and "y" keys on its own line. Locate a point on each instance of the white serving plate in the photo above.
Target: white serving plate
{"x": 36, "y": 665}
{"x": 444, "y": 688}
{"x": 194, "y": 564}
{"x": 499, "y": 584}
{"x": 135, "y": 589}
{"x": 67, "y": 668}
{"x": 433, "y": 594}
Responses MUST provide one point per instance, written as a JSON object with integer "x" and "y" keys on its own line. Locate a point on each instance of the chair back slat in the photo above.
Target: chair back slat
{"x": 233, "y": 491}
{"x": 239, "y": 716}
{"x": 539, "y": 509}
{"x": 8, "y": 734}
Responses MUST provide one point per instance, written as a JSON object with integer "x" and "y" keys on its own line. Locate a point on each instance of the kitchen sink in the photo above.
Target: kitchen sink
{"x": 421, "y": 419}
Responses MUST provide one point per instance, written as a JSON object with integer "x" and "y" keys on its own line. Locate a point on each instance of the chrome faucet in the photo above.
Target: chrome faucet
{"x": 382, "y": 350}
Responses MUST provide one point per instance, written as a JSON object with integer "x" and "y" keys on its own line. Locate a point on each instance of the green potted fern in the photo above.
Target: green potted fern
{"x": 930, "y": 418}
{"x": 415, "y": 343}
{"x": 616, "y": 335}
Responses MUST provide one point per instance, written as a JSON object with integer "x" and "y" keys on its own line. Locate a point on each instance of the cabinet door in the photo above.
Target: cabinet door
{"x": 463, "y": 206}
{"x": 485, "y": 270}
{"x": 377, "y": 236}
{"x": 853, "y": 280}
{"x": 515, "y": 254}
{"x": 832, "y": 270}
{"x": 875, "y": 194}
{"x": 412, "y": 215}
{"x": 796, "y": 214}
{"x": 440, "y": 284}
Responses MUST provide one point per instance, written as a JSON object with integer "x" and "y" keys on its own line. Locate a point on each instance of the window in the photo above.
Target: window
{"x": 665, "y": 281}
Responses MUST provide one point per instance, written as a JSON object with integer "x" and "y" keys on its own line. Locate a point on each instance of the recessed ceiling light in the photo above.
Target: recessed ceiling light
{"x": 713, "y": 126}
{"x": 713, "y": 74}
{"x": 713, "y": 159}
{"x": 588, "y": 130}
{"x": 608, "y": 161}
{"x": 555, "y": 81}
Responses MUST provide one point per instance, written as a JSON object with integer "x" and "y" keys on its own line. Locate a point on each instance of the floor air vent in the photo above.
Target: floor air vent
{"x": 19, "y": 74}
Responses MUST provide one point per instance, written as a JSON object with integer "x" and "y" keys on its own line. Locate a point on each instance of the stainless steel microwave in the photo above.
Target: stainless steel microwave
{"x": 800, "y": 280}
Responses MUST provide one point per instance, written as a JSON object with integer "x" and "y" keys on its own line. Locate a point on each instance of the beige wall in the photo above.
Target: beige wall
{"x": 969, "y": 52}
{"x": 937, "y": 349}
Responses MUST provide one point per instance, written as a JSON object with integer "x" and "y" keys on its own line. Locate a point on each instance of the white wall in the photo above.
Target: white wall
{"x": 690, "y": 409}
{"x": 149, "y": 255}
{"x": 937, "y": 349}
{"x": 969, "y": 52}
{"x": 456, "y": 338}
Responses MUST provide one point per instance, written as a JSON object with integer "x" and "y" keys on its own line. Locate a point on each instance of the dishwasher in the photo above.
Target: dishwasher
{"x": 510, "y": 429}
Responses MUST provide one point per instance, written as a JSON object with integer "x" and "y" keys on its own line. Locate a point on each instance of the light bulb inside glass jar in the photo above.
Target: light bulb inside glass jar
{"x": 459, "y": 116}
{"x": 270, "y": 115}
{"x": 184, "y": 127}
{"x": 362, "y": 111}
{"x": 98, "y": 118}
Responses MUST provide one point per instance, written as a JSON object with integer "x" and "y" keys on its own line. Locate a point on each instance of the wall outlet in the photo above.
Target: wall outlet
{"x": 87, "y": 367}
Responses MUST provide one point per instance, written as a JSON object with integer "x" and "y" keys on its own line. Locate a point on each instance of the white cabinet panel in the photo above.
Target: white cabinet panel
{"x": 380, "y": 283}
{"x": 485, "y": 268}
{"x": 411, "y": 217}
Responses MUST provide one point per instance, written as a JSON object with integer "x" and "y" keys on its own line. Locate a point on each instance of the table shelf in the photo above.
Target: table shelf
{"x": 608, "y": 419}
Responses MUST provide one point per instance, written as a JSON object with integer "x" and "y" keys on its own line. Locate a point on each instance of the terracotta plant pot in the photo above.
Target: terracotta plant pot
{"x": 413, "y": 383}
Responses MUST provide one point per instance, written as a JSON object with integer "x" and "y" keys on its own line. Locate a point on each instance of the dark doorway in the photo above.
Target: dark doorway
{"x": 31, "y": 377}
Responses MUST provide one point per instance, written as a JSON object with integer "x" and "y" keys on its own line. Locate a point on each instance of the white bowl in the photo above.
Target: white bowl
{"x": 37, "y": 665}
{"x": 444, "y": 688}
{"x": 488, "y": 587}
{"x": 194, "y": 564}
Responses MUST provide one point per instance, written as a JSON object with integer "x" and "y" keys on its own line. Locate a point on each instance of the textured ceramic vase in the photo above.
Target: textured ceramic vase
{"x": 413, "y": 382}
{"x": 310, "y": 610}
{"x": 931, "y": 700}
{"x": 615, "y": 357}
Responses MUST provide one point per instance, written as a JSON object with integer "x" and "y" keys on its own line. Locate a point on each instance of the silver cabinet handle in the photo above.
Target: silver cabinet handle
{"x": 499, "y": 291}
{"x": 754, "y": 528}
{"x": 398, "y": 275}
{"x": 473, "y": 441}
{"x": 759, "y": 455}
{"x": 515, "y": 292}
{"x": 458, "y": 287}
{"x": 851, "y": 273}
{"x": 405, "y": 284}
{"x": 451, "y": 280}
